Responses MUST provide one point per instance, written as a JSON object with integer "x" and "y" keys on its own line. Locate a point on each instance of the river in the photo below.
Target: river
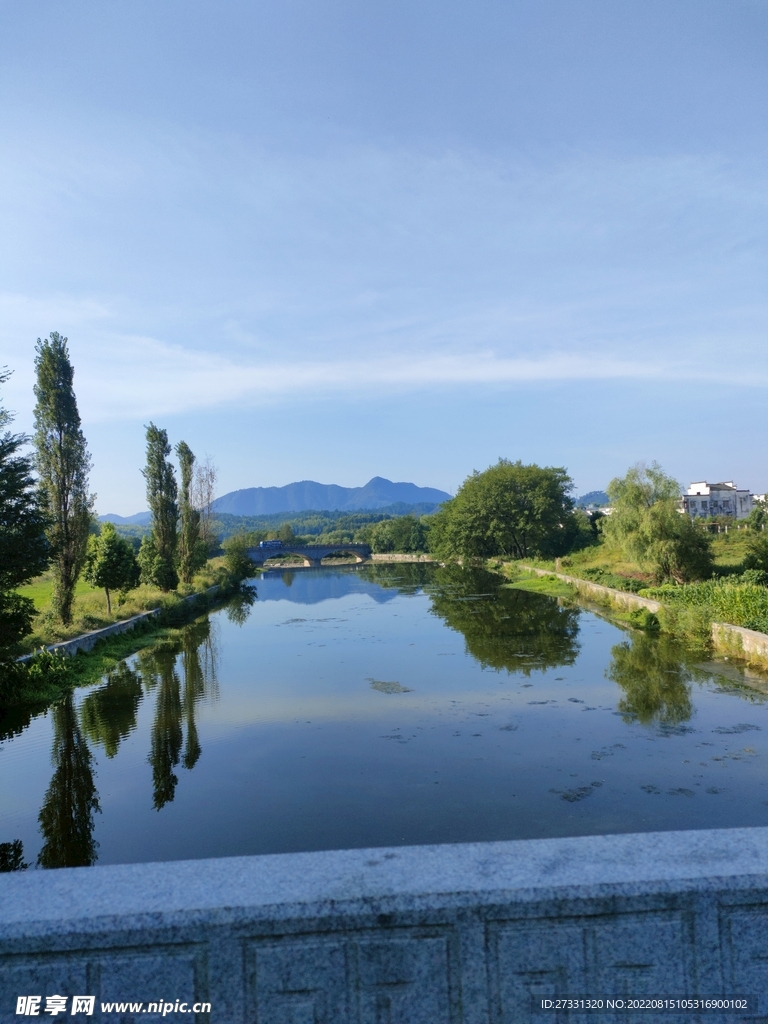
{"x": 378, "y": 706}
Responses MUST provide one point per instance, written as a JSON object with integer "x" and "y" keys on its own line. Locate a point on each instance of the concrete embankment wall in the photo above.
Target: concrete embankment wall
{"x": 729, "y": 640}
{"x": 603, "y": 595}
{"x": 391, "y": 557}
{"x": 87, "y": 641}
{"x": 458, "y": 934}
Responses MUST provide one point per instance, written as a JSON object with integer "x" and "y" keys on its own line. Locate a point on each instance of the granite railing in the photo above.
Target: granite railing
{"x": 462, "y": 934}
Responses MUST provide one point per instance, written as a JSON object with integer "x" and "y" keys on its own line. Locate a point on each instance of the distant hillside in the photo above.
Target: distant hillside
{"x": 140, "y": 519}
{"x": 593, "y": 498}
{"x": 305, "y": 495}
{"x": 314, "y": 522}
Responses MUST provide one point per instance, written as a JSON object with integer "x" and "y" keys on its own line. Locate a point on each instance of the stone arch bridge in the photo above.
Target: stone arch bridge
{"x": 313, "y": 554}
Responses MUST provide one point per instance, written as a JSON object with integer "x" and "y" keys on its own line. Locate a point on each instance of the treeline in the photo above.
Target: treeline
{"x": 47, "y": 519}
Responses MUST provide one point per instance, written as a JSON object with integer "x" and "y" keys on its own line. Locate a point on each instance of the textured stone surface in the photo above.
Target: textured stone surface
{"x": 419, "y": 935}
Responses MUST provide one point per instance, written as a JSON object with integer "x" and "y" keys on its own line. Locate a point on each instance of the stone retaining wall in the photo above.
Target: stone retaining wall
{"x": 601, "y": 594}
{"x": 392, "y": 557}
{"x": 87, "y": 641}
{"x": 461, "y": 934}
{"x": 727, "y": 639}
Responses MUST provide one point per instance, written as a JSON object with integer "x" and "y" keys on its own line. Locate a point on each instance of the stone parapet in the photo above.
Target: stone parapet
{"x": 460, "y": 934}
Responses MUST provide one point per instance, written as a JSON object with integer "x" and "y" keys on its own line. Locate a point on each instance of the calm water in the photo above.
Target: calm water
{"x": 382, "y": 706}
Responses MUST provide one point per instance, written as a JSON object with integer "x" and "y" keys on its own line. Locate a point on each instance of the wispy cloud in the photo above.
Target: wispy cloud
{"x": 143, "y": 378}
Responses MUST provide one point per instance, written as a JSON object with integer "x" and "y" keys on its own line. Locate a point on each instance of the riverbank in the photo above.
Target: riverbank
{"x": 87, "y": 658}
{"x": 723, "y": 638}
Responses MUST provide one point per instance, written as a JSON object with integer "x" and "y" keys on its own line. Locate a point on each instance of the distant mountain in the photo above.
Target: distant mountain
{"x": 307, "y": 494}
{"x": 140, "y": 519}
{"x": 593, "y": 498}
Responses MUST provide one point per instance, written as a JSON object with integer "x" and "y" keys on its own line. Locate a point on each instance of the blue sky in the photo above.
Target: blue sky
{"x": 337, "y": 240}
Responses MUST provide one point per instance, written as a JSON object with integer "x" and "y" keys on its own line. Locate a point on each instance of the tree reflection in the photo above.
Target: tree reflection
{"x": 176, "y": 703}
{"x": 239, "y": 606}
{"x": 504, "y": 628}
{"x": 66, "y": 817}
{"x": 655, "y": 680}
{"x": 109, "y": 714}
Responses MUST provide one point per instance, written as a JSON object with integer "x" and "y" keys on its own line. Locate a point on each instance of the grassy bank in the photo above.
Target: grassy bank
{"x": 48, "y": 677}
{"x": 90, "y": 606}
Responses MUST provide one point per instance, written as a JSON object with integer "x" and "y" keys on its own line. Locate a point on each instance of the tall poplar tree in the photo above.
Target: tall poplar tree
{"x": 162, "y": 494}
{"x": 189, "y": 536}
{"x": 63, "y": 463}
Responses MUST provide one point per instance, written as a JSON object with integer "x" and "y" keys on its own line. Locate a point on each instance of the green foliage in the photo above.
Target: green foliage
{"x": 757, "y": 551}
{"x": 162, "y": 492}
{"x": 691, "y": 609}
{"x": 63, "y": 464}
{"x": 192, "y": 550}
{"x": 155, "y": 571}
{"x": 16, "y": 616}
{"x": 404, "y": 534}
{"x": 510, "y": 509}
{"x": 48, "y": 667}
{"x": 758, "y": 517}
{"x": 647, "y": 524}
{"x": 110, "y": 563}
{"x": 606, "y": 578}
{"x": 236, "y": 558}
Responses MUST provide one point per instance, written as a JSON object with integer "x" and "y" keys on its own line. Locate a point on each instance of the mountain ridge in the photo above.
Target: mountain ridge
{"x": 308, "y": 495}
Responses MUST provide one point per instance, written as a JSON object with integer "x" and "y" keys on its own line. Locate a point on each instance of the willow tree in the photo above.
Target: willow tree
{"x": 158, "y": 554}
{"x": 63, "y": 463}
{"x": 192, "y": 552}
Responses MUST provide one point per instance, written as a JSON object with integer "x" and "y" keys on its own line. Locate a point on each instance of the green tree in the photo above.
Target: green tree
{"x": 63, "y": 463}
{"x": 236, "y": 558}
{"x": 162, "y": 493}
{"x": 24, "y": 549}
{"x": 647, "y": 523}
{"x": 403, "y": 533}
{"x": 510, "y": 509}
{"x": 110, "y": 563}
{"x": 193, "y": 550}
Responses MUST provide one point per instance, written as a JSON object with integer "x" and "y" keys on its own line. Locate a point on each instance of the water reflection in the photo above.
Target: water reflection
{"x": 655, "y": 679}
{"x": 66, "y": 817}
{"x": 174, "y": 708}
{"x": 109, "y": 715}
{"x": 504, "y": 628}
{"x": 239, "y": 606}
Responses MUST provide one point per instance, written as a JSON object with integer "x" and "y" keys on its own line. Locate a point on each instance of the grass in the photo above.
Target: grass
{"x": 90, "y": 605}
{"x": 740, "y": 604}
{"x": 549, "y": 585}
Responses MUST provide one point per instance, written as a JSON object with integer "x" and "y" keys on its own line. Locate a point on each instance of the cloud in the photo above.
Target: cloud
{"x": 141, "y": 378}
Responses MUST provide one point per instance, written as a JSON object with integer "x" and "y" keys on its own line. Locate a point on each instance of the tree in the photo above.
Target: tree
{"x": 510, "y": 509}
{"x": 162, "y": 492}
{"x": 24, "y": 549}
{"x": 403, "y": 533}
{"x": 193, "y": 551}
{"x": 236, "y": 557}
{"x": 63, "y": 463}
{"x": 647, "y": 523}
{"x": 201, "y": 495}
{"x": 110, "y": 563}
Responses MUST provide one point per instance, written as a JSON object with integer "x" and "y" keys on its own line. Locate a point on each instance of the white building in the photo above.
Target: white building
{"x": 723, "y": 499}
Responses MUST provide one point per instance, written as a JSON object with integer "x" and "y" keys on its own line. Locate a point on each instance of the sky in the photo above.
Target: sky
{"x": 337, "y": 240}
